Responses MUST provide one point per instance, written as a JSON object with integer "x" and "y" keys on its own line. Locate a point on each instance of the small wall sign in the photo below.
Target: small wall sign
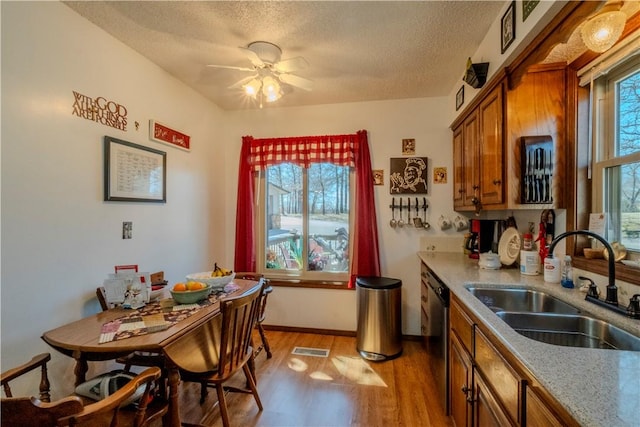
{"x": 165, "y": 135}
{"x": 100, "y": 110}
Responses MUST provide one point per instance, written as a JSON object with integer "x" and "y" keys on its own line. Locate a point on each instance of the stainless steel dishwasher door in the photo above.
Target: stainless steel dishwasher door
{"x": 438, "y": 332}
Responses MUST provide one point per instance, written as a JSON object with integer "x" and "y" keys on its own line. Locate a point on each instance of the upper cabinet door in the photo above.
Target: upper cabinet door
{"x": 491, "y": 141}
{"x": 471, "y": 162}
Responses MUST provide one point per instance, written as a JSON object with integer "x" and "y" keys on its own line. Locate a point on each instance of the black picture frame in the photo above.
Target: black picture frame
{"x": 134, "y": 173}
{"x": 460, "y": 98}
{"x": 408, "y": 175}
{"x": 508, "y": 27}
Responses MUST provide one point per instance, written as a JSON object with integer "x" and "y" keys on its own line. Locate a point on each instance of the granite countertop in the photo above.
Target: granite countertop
{"x": 597, "y": 387}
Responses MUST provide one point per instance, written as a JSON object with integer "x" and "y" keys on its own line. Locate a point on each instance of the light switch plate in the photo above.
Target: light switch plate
{"x": 127, "y": 230}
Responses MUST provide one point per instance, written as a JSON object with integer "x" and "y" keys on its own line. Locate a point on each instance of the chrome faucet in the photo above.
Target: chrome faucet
{"x": 612, "y": 289}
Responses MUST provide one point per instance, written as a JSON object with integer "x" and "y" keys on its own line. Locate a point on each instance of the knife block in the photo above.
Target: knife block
{"x": 537, "y": 169}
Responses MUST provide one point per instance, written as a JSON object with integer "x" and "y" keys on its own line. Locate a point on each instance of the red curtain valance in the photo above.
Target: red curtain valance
{"x": 304, "y": 150}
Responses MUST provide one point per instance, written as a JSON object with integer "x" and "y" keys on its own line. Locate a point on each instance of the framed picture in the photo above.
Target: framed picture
{"x": 378, "y": 177}
{"x": 527, "y": 8}
{"x": 408, "y": 147}
{"x": 460, "y": 98}
{"x": 508, "y": 34}
{"x": 133, "y": 173}
{"x": 440, "y": 175}
{"x": 408, "y": 175}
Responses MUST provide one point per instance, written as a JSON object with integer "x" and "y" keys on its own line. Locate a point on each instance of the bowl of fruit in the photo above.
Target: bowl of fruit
{"x": 216, "y": 278}
{"x": 190, "y": 292}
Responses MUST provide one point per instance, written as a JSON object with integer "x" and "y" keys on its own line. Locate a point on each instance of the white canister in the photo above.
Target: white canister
{"x": 552, "y": 270}
{"x": 529, "y": 263}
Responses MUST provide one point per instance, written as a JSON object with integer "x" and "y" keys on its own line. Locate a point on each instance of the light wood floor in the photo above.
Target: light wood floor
{"x": 340, "y": 390}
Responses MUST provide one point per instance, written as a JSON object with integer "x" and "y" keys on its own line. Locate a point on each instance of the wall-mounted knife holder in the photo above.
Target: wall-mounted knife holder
{"x": 537, "y": 163}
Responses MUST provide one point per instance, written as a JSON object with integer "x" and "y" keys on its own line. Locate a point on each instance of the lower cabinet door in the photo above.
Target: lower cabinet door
{"x": 460, "y": 390}
{"x": 538, "y": 414}
{"x": 487, "y": 412}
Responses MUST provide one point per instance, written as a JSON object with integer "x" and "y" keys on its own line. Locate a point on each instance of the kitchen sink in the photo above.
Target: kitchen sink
{"x": 521, "y": 300}
{"x": 545, "y": 318}
{"x": 570, "y": 330}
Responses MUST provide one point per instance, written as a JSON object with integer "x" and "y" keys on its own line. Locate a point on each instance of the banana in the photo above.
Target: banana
{"x": 220, "y": 272}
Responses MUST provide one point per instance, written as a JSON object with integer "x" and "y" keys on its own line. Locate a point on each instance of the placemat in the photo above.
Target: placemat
{"x": 156, "y": 316}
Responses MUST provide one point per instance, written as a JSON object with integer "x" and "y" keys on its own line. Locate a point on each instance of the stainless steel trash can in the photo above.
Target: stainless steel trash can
{"x": 379, "y": 333}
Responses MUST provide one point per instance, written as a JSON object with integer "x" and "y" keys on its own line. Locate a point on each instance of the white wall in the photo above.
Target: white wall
{"x": 59, "y": 238}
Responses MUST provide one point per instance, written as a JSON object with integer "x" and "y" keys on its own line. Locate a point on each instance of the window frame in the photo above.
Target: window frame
{"x": 304, "y": 278}
{"x": 605, "y": 123}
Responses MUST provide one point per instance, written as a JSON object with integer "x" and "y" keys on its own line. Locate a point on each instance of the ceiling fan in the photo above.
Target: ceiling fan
{"x": 268, "y": 72}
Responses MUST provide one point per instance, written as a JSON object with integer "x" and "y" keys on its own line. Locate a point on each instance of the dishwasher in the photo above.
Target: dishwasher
{"x": 437, "y": 331}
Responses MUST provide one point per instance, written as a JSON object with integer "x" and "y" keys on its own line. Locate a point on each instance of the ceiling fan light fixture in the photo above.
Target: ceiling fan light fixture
{"x": 602, "y": 31}
{"x": 271, "y": 89}
{"x": 252, "y": 88}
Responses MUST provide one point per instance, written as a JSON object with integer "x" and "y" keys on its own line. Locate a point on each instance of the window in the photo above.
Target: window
{"x": 306, "y": 219}
{"x": 617, "y": 153}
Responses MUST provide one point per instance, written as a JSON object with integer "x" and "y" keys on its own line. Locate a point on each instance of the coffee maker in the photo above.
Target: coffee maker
{"x": 485, "y": 236}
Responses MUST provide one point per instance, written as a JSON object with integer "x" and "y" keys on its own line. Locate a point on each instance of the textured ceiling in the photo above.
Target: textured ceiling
{"x": 356, "y": 50}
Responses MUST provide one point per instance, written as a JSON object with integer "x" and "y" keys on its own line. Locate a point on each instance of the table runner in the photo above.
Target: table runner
{"x": 157, "y": 316}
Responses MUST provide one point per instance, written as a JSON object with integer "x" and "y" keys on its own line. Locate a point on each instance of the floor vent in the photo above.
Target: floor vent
{"x": 306, "y": 351}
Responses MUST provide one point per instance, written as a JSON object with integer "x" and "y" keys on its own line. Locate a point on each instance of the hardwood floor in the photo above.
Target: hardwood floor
{"x": 340, "y": 390}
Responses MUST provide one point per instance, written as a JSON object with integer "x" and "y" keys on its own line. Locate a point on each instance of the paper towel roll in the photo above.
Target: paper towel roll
{"x": 529, "y": 263}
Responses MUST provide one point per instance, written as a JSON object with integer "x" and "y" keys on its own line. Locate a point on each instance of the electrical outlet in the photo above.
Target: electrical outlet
{"x": 127, "y": 230}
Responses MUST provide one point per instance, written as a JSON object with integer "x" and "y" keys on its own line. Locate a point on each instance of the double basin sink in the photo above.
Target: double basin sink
{"x": 545, "y": 318}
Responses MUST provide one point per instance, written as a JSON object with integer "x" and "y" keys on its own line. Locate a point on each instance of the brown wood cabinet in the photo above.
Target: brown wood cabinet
{"x": 478, "y": 152}
{"x": 488, "y": 386}
{"x": 460, "y": 383}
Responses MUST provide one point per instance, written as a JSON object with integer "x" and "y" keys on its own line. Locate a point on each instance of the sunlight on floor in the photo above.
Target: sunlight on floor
{"x": 355, "y": 369}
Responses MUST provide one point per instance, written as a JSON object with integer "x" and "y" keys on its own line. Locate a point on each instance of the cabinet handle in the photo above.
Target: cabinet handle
{"x": 464, "y": 389}
{"x": 470, "y": 399}
{"x": 497, "y": 182}
{"x": 423, "y": 298}
{"x": 475, "y": 187}
{"x": 460, "y": 190}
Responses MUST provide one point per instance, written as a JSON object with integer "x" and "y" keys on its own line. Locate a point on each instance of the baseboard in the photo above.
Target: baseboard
{"x": 327, "y": 332}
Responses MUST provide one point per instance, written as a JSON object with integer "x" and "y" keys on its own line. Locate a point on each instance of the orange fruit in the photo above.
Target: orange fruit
{"x": 179, "y": 287}
{"x": 194, "y": 286}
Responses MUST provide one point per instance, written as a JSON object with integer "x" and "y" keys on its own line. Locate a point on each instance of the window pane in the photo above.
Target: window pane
{"x": 622, "y": 186}
{"x": 328, "y": 206}
{"x": 628, "y": 105}
{"x": 284, "y": 217}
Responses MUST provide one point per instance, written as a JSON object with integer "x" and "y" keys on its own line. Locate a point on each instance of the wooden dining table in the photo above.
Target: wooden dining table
{"x": 80, "y": 340}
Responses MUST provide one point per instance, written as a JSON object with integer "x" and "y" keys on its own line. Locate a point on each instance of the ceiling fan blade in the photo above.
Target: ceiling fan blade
{"x": 231, "y": 67}
{"x": 242, "y": 82}
{"x": 296, "y": 81}
{"x": 253, "y": 57}
{"x": 289, "y": 65}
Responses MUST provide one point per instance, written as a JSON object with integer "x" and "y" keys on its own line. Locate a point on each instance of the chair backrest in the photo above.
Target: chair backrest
{"x": 239, "y": 316}
{"x": 102, "y": 298}
{"x": 70, "y": 411}
{"x": 265, "y": 293}
{"x": 106, "y": 412}
{"x": 31, "y": 411}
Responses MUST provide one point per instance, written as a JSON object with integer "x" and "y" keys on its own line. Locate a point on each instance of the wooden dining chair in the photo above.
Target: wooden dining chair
{"x": 224, "y": 348}
{"x": 261, "y": 311}
{"x": 74, "y": 410}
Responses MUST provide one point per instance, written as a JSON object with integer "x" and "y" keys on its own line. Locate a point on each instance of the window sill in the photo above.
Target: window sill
{"x": 318, "y": 284}
{"x": 601, "y": 266}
